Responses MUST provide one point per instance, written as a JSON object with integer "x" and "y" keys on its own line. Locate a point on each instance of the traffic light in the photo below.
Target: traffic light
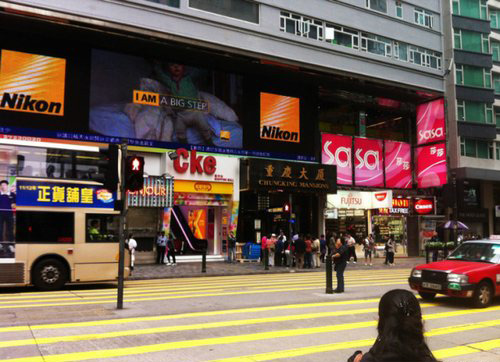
{"x": 134, "y": 173}
{"x": 286, "y": 208}
{"x": 107, "y": 172}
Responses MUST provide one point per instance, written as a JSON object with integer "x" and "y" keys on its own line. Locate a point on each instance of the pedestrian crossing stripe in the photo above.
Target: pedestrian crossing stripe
{"x": 187, "y": 315}
{"x": 148, "y": 297}
{"x": 200, "y": 285}
{"x": 171, "y": 290}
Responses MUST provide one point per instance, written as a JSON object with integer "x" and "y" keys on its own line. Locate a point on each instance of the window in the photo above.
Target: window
{"x": 475, "y": 112}
{"x": 401, "y": 51}
{"x": 376, "y": 44}
{"x": 495, "y": 50}
{"x": 378, "y": 5}
{"x": 497, "y": 118}
{"x": 456, "y": 7}
{"x": 487, "y": 78}
{"x": 497, "y": 150}
{"x": 102, "y": 228}
{"x": 173, "y": 3}
{"x": 485, "y": 42}
{"x": 399, "y": 10}
{"x": 424, "y": 57}
{"x": 496, "y": 83}
{"x": 238, "y": 9}
{"x": 423, "y": 18}
{"x": 476, "y": 148}
{"x": 494, "y": 19}
{"x": 483, "y": 9}
{"x": 471, "y": 8}
{"x": 342, "y": 36}
{"x": 489, "y": 113}
{"x": 461, "y": 110}
{"x": 301, "y": 26}
{"x": 459, "y": 74}
{"x": 45, "y": 227}
{"x": 457, "y": 38}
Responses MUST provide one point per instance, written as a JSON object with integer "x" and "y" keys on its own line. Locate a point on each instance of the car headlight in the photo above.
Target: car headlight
{"x": 416, "y": 273}
{"x": 458, "y": 278}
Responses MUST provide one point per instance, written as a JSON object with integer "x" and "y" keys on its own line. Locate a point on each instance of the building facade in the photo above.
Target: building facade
{"x": 240, "y": 80}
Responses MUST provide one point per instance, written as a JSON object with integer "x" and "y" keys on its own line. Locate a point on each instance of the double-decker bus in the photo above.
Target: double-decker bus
{"x": 56, "y": 225}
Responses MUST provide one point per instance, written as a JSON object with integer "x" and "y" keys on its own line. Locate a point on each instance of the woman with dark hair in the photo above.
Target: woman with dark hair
{"x": 400, "y": 331}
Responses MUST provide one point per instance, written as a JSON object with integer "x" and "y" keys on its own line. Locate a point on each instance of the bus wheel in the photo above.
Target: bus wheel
{"x": 49, "y": 274}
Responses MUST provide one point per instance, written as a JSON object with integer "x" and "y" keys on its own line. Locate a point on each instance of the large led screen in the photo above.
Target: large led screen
{"x": 431, "y": 165}
{"x": 337, "y": 150}
{"x": 368, "y": 162}
{"x": 153, "y": 99}
{"x": 32, "y": 83}
{"x": 430, "y": 122}
{"x": 279, "y": 118}
{"x": 397, "y": 165}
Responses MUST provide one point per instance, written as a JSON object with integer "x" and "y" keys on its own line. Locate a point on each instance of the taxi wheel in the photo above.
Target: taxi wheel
{"x": 49, "y": 274}
{"x": 427, "y": 295}
{"x": 483, "y": 295}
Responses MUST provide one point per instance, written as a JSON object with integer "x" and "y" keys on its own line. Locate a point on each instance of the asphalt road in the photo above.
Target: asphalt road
{"x": 231, "y": 318}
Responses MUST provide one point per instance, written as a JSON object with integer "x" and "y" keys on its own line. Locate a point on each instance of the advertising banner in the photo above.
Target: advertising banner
{"x": 150, "y": 99}
{"x": 431, "y": 165}
{"x": 279, "y": 118}
{"x": 32, "y": 83}
{"x": 368, "y": 162}
{"x": 34, "y": 193}
{"x": 431, "y": 122}
{"x": 8, "y": 163}
{"x": 337, "y": 150}
{"x": 363, "y": 200}
{"x": 397, "y": 160}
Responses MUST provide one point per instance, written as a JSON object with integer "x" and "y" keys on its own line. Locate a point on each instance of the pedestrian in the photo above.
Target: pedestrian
{"x": 284, "y": 241}
{"x": 316, "y": 245}
{"x": 300, "y": 250}
{"x": 351, "y": 245}
{"x": 391, "y": 249}
{"x": 322, "y": 247}
{"x": 369, "y": 247}
{"x": 171, "y": 250}
{"x": 271, "y": 247}
{"x": 308, "y": 252}
{"x": 7, "y": 208}
{"x": 231, "y": 242}
{"x": 400, "y": 331}
{"x": 263, "y": 249}
{"x": 287, "y": 247}
{"x": 131, "y": 245}
{"x": 331, "y": 243}
{"x": 340, "y": 256}
{"x": 161, "y": 246}
{"x": 278, "y": 255}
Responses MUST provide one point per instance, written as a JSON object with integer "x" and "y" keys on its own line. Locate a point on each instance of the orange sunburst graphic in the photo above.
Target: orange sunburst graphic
{"x": 279, "y": 117}
{"x": 41, "y": 79}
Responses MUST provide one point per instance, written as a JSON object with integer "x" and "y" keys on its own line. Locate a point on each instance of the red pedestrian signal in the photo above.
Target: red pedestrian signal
{"x": 134, "y": 173}
{"x": 286, "y": 208}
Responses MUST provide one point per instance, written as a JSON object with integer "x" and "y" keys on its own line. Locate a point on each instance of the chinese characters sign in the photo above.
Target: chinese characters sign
{"x": 430, "y": 122}
{"x": 368, "y": 161}
{"x": 337, "y": 150}
{"x": 397, "y": 165}
{"x": 431, "y": 165}
{"x": 32, "y": 193}
{"x": 290, "y": 176}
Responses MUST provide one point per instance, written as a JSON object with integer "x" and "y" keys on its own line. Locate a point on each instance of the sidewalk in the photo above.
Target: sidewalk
{"x": 188, "y": 270}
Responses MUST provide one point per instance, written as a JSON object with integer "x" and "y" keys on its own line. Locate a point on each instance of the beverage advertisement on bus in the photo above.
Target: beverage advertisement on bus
{"x": 8, "y": 162}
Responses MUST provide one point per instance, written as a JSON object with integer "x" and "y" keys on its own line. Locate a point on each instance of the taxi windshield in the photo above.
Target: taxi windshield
{"x": 486, "y": 253}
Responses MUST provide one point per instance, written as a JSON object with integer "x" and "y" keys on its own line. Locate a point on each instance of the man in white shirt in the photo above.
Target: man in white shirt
{"x": 351, "y": 247}
{"x": 132, "y": 245}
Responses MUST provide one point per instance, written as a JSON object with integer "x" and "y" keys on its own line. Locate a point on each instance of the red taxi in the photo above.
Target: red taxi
{"x": 471, "y": 270}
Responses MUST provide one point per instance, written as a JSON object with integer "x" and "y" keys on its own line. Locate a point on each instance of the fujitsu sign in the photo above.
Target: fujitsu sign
{"x": 195, "y": 163}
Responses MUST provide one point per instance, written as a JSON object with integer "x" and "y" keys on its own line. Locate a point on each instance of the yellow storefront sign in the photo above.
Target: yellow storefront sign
{"x": 203, "y": 187}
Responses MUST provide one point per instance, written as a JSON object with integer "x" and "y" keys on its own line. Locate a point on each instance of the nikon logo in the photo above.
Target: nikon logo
{"x": 22, "y": 102}
{"x": 276, "y": 133}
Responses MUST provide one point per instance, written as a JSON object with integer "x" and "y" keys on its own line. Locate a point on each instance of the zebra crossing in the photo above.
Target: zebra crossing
{"x": 268, "y": 327}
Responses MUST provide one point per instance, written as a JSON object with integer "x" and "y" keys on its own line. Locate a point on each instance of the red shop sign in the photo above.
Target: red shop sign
{"x": 424, "y": 207}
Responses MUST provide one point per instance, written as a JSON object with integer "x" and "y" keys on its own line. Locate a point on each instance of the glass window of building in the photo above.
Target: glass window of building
{"x": 457, "y": 38}
{"x": 471, "y": 8}
{"x": 476, "y": 148}
{"x": 487, "y": 78}
{"x": 238, "y": 9}
{"x": 497, "y": 150}
{"x": 478, "y": 112}
{"x": 172, "y": 3}
{"x": 399, "y": 9}
{"x": 472, "y": 76}
{"x": 485, "y": 41}
{"x": 495, "y": 50}
{"x": 459, "y": 74}
{"x": 342, "y": 36}
{"x": 460, "y": 110}
{"x": 45, "y": 227}
{"x": 301, "y": 26}
{"x": 378, "y": 5}
{"x": 471, "y": 41}
{"x": 494, "y": 19}
{"x": 496, "y": 83}
{"x": 423, "y": 18}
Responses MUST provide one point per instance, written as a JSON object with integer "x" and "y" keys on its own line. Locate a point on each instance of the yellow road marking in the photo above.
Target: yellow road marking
{"x": 186, "y": 315}
{"x": 135, "y": 290}
{"x": 255, "y": 291}
{"x": 467, "y": 349}
{"x": 162, "y": 347}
